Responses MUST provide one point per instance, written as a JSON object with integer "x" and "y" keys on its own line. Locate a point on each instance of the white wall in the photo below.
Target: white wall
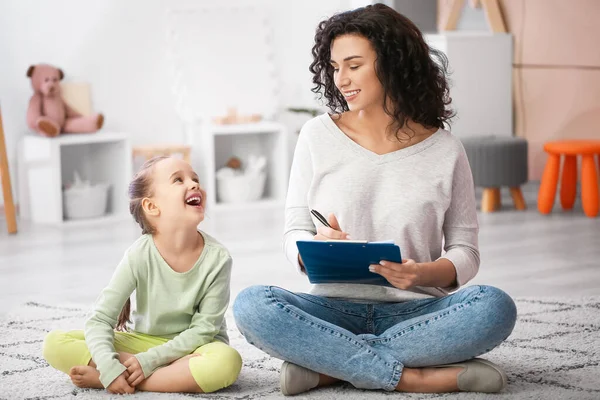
{"x": 119, "y": 47}
{"x": 422, "y": 12}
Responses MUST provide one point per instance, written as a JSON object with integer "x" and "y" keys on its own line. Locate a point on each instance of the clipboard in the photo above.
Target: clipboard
{"x": 346, "y": 261}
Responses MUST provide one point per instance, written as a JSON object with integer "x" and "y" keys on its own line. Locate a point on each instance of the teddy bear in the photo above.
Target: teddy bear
{"x": 48, "y": 114}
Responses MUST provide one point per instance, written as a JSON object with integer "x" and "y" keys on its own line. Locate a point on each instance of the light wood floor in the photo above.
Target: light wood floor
{"x": 524, "y": 253}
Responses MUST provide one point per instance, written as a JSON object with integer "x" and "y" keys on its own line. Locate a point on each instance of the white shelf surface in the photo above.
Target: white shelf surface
{"x": 244, "y": 129}
{"x": 80, "y": 138}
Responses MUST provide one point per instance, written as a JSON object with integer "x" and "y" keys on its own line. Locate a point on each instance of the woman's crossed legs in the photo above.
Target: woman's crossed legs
{"x": 377, "y": 346}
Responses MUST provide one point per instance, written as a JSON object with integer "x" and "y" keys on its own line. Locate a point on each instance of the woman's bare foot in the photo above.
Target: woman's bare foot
{"x": 326, "y": 380}
{"x": 84, "y": 376}
{"x": 429, "y": 380}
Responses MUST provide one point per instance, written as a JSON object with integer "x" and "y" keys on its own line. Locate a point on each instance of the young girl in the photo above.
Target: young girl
{"x": 178, "y": 338}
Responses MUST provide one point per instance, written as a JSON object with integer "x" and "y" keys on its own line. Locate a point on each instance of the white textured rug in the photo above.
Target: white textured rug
{"x": 553, "y": 353}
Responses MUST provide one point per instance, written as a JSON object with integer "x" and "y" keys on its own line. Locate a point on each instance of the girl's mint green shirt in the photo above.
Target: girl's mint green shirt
{"x": 187, "y": 307}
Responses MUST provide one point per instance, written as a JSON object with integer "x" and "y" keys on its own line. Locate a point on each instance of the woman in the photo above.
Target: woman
{"x": 384, "y": 168}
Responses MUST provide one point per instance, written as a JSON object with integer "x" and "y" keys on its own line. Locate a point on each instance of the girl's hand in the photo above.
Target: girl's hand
{"x": 333, "y": 233}
{"x": 136, "y": 375}
{"x": 402, "y": 276}
{"x": 120, "y": 385}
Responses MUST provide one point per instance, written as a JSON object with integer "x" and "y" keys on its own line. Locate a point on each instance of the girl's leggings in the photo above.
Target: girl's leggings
{"x": 218, "y": 367}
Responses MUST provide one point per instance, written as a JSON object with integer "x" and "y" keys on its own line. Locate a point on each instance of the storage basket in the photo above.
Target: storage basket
{"x": 241, "y": 188}
{"x": 85, "y": 202}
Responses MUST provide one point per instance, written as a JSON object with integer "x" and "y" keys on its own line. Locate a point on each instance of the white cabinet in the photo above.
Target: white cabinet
{"x": 45, "y": 165}
{"x": 480, "y": 66}
{"x": 219, "y": 143}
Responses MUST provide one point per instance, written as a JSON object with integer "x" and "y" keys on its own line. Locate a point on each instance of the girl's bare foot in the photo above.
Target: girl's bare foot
{"x": 84, "y": 376}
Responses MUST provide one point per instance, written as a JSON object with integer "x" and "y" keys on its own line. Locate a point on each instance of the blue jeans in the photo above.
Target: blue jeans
{"x": 368, "y": 344}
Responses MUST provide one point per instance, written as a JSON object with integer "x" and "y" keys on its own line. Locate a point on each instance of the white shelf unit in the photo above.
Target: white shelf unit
{"x": 45, "y": 165}
{"x": 220, "y": 142}
{"x": 480, "y": 66}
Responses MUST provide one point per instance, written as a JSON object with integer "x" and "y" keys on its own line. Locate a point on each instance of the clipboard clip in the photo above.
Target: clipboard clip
{"x": 347, "y": 241}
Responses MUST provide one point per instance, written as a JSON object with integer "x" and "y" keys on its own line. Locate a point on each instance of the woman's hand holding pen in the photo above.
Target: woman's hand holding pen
{"x": 331, "y": 232}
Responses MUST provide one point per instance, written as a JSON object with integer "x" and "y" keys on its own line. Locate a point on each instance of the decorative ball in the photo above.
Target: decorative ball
{"x": 234, "y": 163}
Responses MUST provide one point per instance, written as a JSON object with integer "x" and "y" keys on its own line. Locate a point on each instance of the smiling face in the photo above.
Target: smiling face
{"x": 353, "y": 60}
{"x": 177, "y": 197}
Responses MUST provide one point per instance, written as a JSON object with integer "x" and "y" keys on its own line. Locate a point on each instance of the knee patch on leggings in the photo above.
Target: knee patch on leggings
{"x": 63, "y": 350}
{"x": 215, "y": 366}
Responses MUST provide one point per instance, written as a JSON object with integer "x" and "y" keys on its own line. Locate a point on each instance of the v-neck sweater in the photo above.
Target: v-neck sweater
{"x": 422, "y": 197}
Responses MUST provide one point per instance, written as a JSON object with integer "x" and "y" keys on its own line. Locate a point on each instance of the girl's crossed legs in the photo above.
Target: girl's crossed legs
{"x": 376, "y": 346}
{"x": 211, "y": 367}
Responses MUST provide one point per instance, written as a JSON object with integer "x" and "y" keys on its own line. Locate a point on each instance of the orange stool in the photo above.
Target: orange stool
{"x": 590, "y": 198}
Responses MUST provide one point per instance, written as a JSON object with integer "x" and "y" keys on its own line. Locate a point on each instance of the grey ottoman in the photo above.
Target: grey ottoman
{"x": 498, "y": 161}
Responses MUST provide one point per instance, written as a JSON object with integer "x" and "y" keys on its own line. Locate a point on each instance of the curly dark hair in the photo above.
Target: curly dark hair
{"x": 414, "y": 82}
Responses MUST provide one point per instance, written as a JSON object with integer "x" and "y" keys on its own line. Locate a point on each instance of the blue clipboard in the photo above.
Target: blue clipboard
{"x": 345, "y": 261}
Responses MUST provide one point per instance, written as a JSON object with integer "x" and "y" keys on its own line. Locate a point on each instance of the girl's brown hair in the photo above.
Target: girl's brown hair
{"x": 139, "y": 188}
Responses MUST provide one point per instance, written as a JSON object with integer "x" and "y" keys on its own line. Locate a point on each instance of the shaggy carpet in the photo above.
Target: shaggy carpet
{"x": 553, "y": 353}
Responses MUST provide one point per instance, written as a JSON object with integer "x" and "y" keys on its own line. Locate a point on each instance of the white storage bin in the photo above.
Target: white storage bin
{"x": 86, "y": 202}
{"x": 46, "y": 166}
{"x": 241, "y": 188}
